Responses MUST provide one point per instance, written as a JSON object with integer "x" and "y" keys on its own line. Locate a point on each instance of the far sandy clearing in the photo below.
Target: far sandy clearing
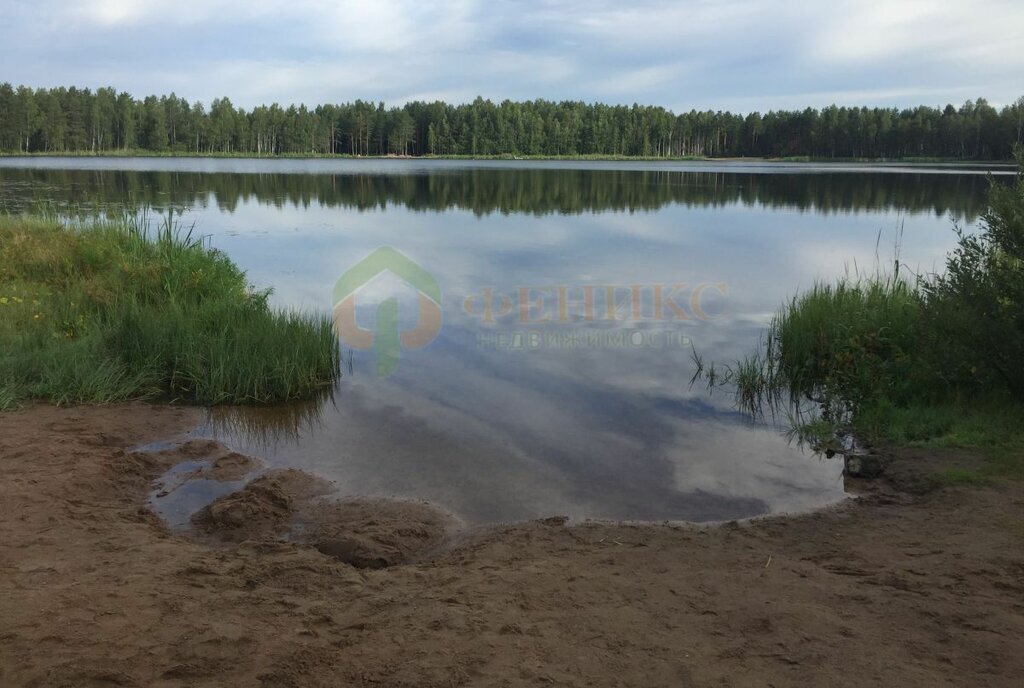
{"x": 890, "y": 589}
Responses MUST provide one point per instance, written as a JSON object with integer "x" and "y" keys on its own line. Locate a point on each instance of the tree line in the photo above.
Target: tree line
{"x": 80, "y": 120}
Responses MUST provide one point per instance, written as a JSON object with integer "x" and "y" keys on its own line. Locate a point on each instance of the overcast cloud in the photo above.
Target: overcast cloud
{"x": 740, "y": 55}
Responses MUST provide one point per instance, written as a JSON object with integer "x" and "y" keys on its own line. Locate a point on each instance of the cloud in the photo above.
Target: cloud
{"x": 858, "y": 32}
{"x": 737, "y": 54}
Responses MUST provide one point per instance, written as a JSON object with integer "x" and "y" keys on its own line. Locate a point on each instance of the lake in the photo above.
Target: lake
{"x": 518, "y": 336}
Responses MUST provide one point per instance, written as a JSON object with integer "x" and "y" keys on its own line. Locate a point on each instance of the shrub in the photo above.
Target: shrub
{"x": 979, "y": 302}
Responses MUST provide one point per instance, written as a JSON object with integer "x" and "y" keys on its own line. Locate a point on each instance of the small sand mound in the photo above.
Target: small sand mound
{"x": 192, "y": 449}
{"x": 375, "y": 533}
{"x": 262, "y": 509}
{"x": 256, "y": 508}
{"x": 230, "y": 467}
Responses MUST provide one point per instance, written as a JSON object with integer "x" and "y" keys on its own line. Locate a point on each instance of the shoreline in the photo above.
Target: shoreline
{"x": 311, "y": 492}
{"x": 902, "y": 585}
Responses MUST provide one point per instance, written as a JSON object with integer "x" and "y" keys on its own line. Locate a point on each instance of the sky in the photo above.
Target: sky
{"x": 739, "y": 55}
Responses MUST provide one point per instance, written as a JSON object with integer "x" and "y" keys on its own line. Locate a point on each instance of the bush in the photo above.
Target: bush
{"x": 980, "y": 299}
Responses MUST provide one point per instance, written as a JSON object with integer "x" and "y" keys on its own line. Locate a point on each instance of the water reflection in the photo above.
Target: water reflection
{"x": 536, "y": 190}
{"x": 266, "y": 428}
{"x": 686, "y": 461}
{"x": 498, "y": 433}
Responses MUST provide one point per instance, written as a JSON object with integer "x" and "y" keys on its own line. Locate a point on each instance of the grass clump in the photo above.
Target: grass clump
{"x": 935, "y": 360}
{"x": 845, "y": 344}
{"x": 105, "y": 311}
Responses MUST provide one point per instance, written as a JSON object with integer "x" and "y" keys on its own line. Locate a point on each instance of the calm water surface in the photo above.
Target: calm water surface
{"x": 570, "y": 296}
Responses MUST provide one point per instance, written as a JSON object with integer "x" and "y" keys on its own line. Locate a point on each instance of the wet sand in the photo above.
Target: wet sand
{"x": 279, "y": 585}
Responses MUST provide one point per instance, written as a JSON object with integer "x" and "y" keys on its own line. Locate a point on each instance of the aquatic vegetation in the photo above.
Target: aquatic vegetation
{"x": 933, "y": 359}
{"x": 106, "y": 310}
{"x": 836, "y": 345}
{"x": 844, "y": 344}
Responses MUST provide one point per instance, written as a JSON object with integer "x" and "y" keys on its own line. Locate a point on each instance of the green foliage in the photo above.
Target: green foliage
{"x": 841, "y": 346}
{"x": 992, "y": 427}
{"x": 981, "y": 297}
{"x": 215, "y": 352}
{"x": 954, "y": 336}
{"x": 845, "y": 344}
{"x": 63, "y": 120}
{"x": 8, "y": 398}
{"x": 818, "y": 433}
{"x": 105, "y": 311}
{"x": 937, "y": 361}
{"x": 988, "y": 423}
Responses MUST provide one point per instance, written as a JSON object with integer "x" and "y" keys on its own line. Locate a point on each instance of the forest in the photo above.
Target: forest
{"x": 80, "y": 120}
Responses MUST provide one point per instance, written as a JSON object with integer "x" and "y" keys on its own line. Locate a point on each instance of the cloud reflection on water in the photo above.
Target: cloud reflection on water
{"x": 603, "y": 431}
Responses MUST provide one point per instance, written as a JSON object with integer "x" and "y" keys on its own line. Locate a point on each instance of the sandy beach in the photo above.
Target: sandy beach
{"x": 281, "y": 586}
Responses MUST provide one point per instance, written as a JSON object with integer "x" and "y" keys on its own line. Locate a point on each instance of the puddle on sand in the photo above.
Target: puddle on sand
{"x": 194, "y": 482}
{"x": 180, "y": 493}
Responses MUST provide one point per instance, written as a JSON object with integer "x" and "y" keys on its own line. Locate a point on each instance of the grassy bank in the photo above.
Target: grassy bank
{"x": 106, "y": 311}
{"x": 932, "y": 360}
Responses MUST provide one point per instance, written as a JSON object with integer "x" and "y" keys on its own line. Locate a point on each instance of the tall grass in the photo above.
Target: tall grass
{"x": 841, "y": 345}
{"x": 106, "y": 310}
{"x": 837, "y": 345}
